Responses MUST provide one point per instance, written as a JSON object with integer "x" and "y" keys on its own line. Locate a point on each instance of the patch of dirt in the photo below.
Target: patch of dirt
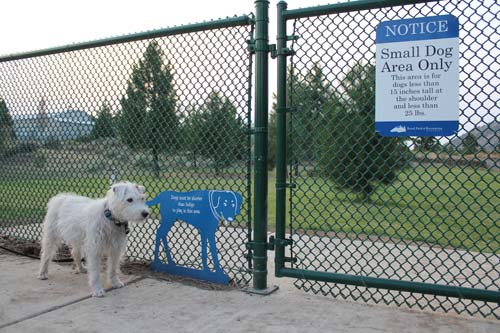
{"x": 139, "y": 268}
{"x": 142, "y": 268}
{"x": 31, "y": 248}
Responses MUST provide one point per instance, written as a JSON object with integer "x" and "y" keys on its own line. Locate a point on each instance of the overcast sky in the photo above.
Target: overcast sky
{"x": 28, "y": 25}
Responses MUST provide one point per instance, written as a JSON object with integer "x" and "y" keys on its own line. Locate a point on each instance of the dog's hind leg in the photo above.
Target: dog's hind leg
{"x": 213, "y": 251}
{"x": 49, "y": 248}
{"x": 204, "y": 257}
{"x": 161, "y": 236}
{"x": 157, "y": 244}
{"x": 94, "y": 269}
{"x": 77, "y": 258}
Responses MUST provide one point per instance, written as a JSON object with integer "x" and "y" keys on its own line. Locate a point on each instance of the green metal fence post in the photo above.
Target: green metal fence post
{"x": 260, "y": 159}
{"x": 281, "y": 141}
{"x": 259, "y": 245}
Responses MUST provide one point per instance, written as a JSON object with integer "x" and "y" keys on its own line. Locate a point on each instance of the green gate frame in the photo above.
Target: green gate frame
{"x": 280, "y": 241}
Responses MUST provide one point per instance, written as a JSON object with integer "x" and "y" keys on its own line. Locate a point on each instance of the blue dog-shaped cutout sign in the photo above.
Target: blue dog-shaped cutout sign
{"x": 203, "y": 209}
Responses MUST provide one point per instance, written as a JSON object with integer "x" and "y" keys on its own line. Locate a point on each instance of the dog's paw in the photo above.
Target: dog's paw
{"x": 43, "y": 276}
{"x": 98, "y": 293}
{"x": 81, "y": 270}
{"x": 117, "y": 283}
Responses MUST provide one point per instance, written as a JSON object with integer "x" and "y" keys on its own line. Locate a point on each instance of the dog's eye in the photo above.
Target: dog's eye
{"x": 130, "y": 200}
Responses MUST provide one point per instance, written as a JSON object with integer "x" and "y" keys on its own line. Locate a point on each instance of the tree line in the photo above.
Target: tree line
{"x": 332, "y": 130}
{"x": 149, "y": 118}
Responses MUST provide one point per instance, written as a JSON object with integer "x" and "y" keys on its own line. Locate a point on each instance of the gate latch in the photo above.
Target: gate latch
{"x": 280, "y": 242}
{"x": 286, "y": 51}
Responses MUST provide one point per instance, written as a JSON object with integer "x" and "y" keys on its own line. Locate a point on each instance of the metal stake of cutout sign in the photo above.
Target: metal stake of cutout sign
{"x": 417, "y": 77}
{"x": 203, "y": 209}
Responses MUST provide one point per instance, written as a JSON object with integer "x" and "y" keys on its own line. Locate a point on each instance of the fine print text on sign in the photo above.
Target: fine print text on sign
{"x": 417, "y": 78}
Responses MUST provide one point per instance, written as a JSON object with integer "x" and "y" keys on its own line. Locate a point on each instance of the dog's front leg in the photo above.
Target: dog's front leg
{"x": 94, "y": 270}
{"x": 113, "y": 266}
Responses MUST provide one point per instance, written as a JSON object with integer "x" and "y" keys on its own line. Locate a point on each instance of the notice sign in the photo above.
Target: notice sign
{"x": 417, "y": 77}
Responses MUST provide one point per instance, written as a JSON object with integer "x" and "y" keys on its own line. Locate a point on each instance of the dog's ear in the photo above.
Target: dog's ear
{"x": 140, "y": 188}
{"x": 119, "y": 190}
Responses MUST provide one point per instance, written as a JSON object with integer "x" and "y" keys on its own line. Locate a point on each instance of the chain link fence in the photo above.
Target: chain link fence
{"x": 169, "y": 109}
{"x": 416, "y": 209}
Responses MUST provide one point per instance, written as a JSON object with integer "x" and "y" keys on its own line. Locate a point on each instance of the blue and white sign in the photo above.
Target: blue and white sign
{"x": 417, "y": 77}
{"x": 204, "y": 210}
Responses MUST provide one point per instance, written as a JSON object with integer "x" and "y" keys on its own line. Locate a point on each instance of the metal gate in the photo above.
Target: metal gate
{"x": 412, "y": 221}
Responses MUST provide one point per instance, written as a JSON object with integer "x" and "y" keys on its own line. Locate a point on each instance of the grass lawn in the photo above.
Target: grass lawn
{"x": 26, "y": 199}
{"x": 456, "y": 207}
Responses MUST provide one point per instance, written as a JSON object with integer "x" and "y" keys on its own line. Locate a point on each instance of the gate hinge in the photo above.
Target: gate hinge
{"x": 290, "y": 259}
{"x": 252, "y": 48}
{"x": 293, "y": 37}
{"x": 286, "y": 51}
{"x": 272, "y": 50}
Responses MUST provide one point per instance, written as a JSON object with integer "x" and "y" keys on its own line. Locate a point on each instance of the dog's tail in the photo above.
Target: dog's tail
{"x": 155, "y": 201}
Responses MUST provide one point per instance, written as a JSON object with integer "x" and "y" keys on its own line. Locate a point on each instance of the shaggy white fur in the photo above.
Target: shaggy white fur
{"x": 93, "y": 228}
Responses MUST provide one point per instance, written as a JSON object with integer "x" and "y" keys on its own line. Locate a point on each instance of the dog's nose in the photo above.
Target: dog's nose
{"x": 145, "y": 214}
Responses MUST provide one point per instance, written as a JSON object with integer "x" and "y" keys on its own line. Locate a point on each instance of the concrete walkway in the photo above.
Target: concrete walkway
{"x": 62, "y": 304}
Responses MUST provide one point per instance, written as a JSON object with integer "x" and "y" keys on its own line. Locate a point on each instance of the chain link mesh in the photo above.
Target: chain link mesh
{"x": 171, "y": 112}
{"x": 418, "y": 209}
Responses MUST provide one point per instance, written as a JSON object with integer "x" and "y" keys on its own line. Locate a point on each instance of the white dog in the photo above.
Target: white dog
{"x": 92, "y": 228}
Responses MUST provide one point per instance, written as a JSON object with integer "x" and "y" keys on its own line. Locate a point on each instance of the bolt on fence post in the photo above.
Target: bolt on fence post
{"x": 260, "y": 154}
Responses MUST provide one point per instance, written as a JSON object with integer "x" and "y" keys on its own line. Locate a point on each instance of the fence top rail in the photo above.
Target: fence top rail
{"x": 188, "y": 28}
{"x": 344, "y": 7}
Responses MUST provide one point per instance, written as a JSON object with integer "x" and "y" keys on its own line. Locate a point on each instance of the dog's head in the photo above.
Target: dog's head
{"x": 127, "y": 202}
{"x": 225, "y": 204}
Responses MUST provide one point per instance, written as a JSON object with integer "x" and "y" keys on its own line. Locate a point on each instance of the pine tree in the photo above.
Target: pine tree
{"x": 310, "y": 96}
{"x": 191, "y": 132}
{"x": 148, "y": 119}
{"x": 7, "y": 134}
{"x": 271, "y": 145}
{"x": 356, "y": 157}
{"x": 133, "y": 116}
{"x": 220, "y": 132}
{"x": 103, "y": 125}
{"x": 470, "y": 144}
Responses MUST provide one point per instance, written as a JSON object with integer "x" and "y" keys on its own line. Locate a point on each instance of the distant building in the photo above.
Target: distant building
{"x": 487, "y": 136}
{"x": 66, "y": 125}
